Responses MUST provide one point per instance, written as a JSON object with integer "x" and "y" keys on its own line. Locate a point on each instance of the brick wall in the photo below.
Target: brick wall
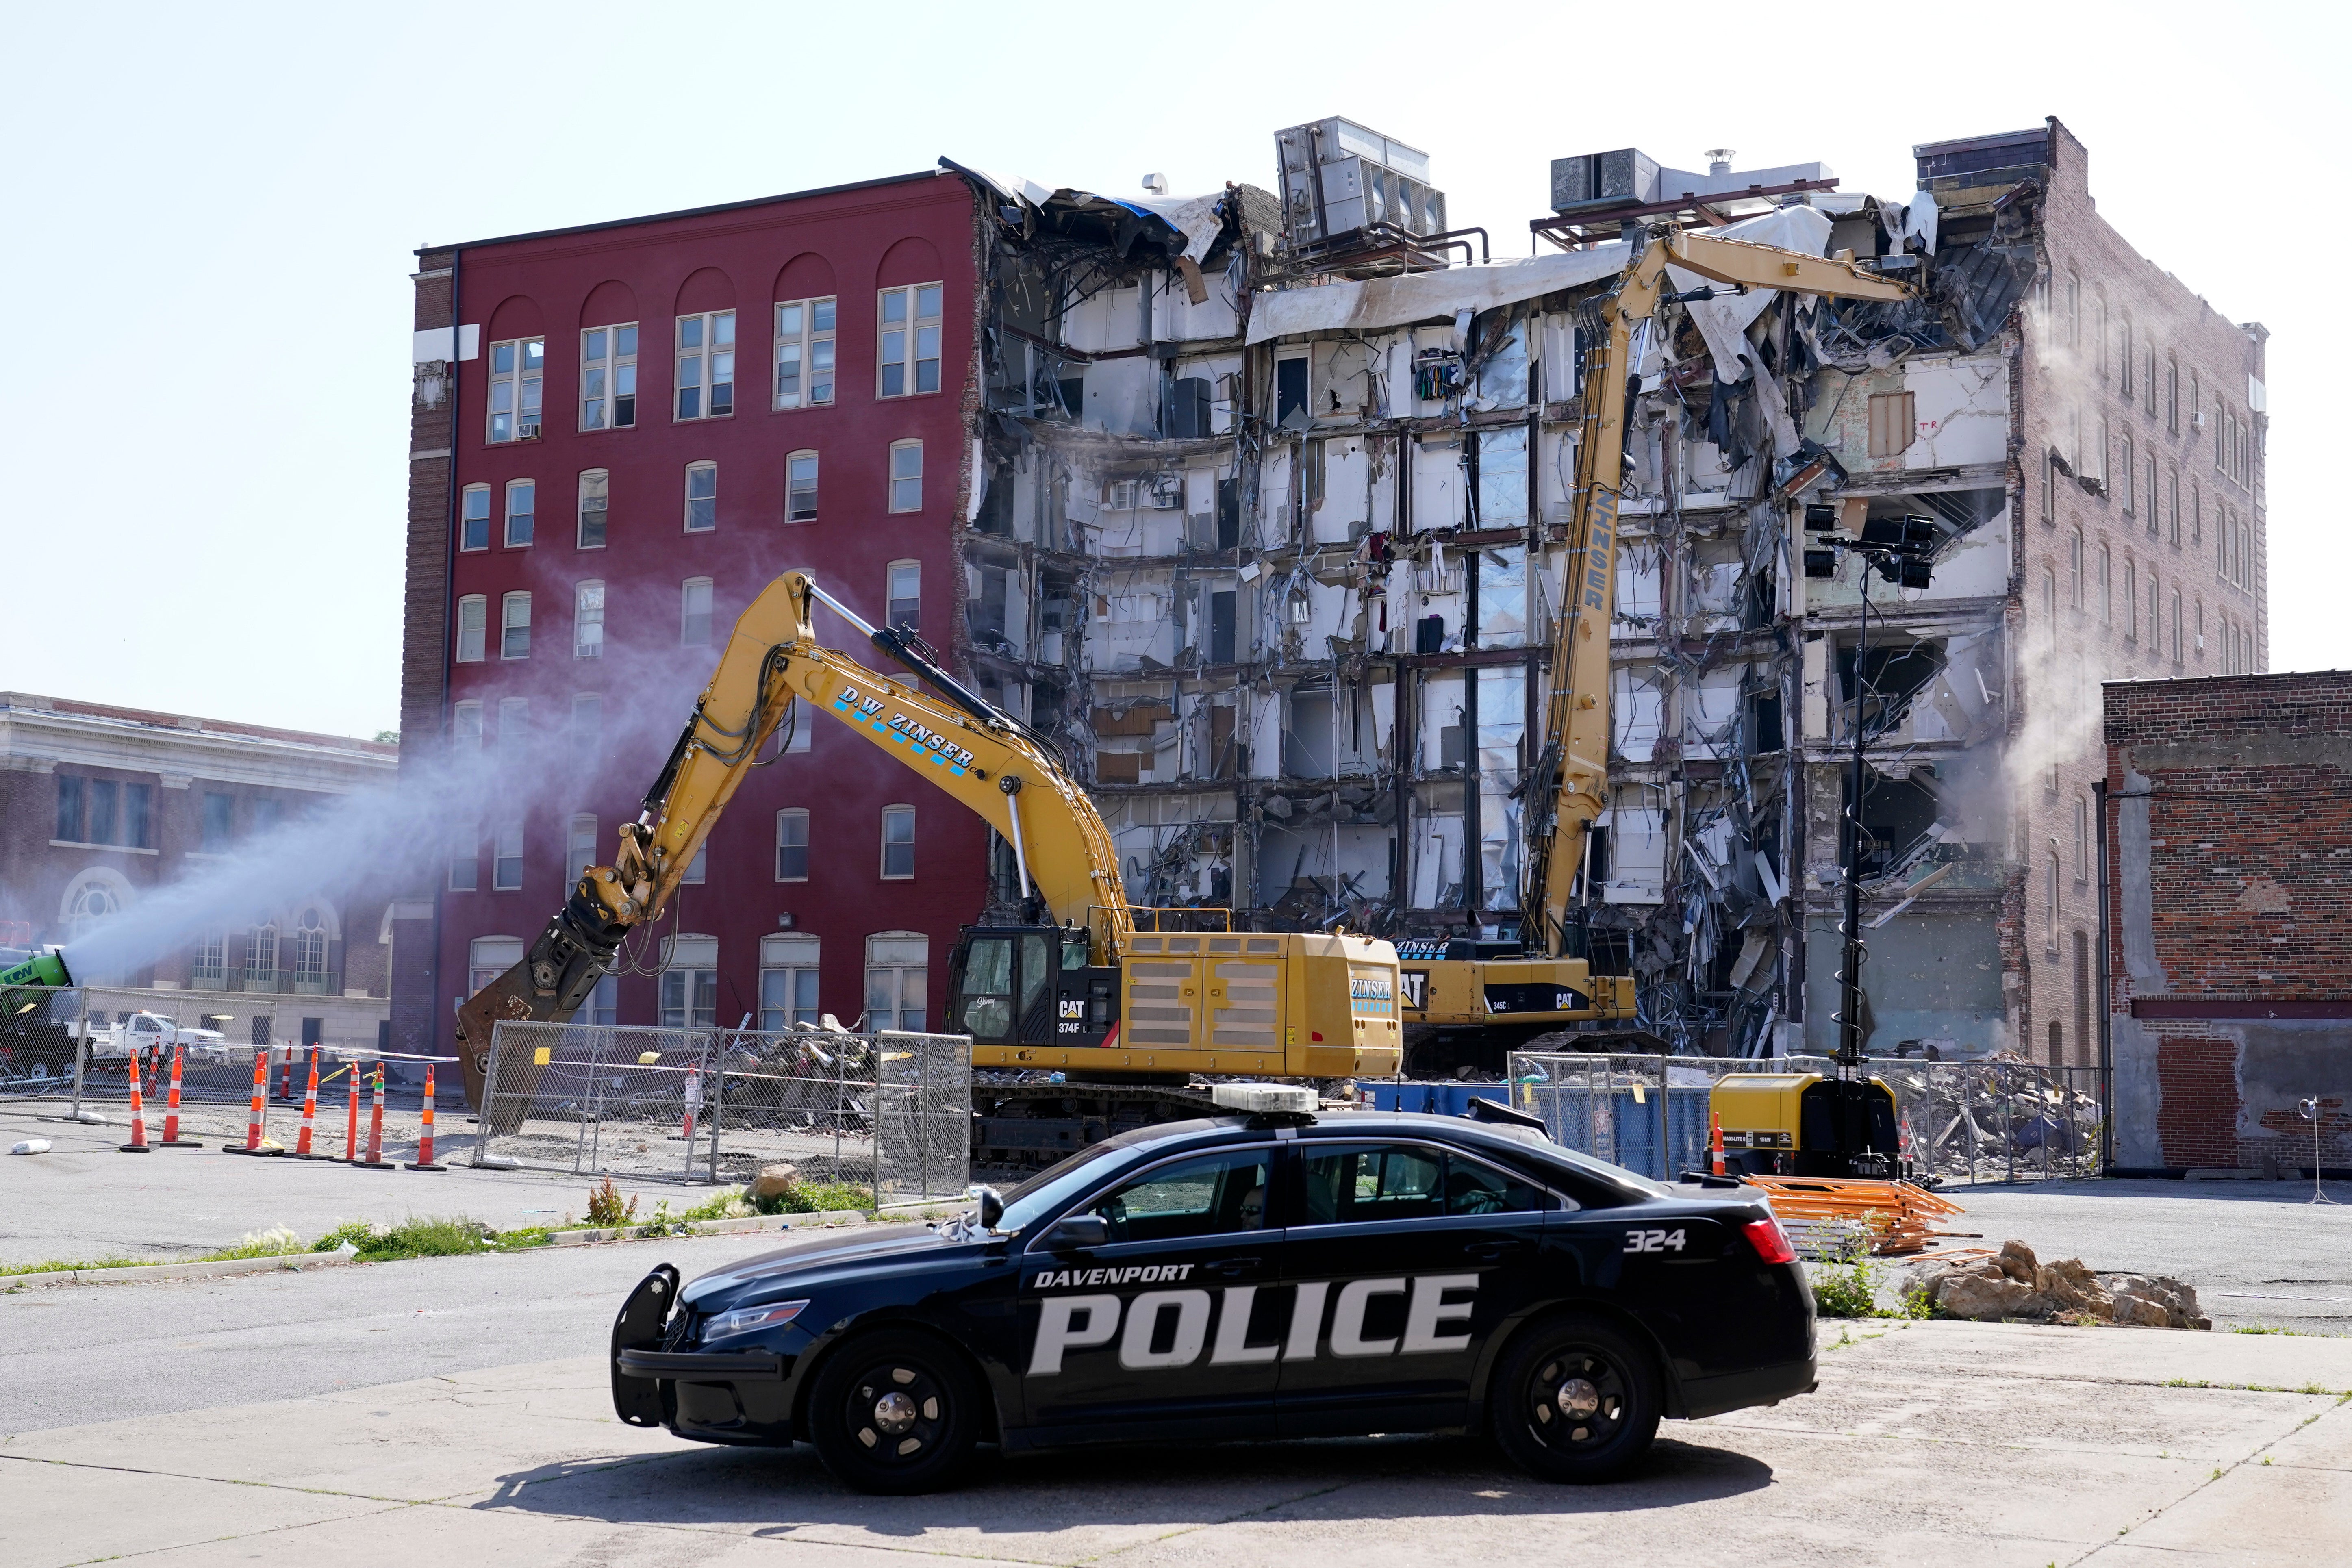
{"x": 2230, "y": 916}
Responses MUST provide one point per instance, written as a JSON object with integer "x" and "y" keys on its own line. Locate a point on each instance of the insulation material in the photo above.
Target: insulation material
{"x": 1437, "y": 484}
{"x": 1637, "y": 855}
{"x": 1437, "y": 859}
{"x": 1502, "y": 596}
{"x": 1637, "y": 582}
{"x": 1503, "y": 479}
{"x": 1346, "y": 490}
{"x": 1635, "y": 706}
{"x": 1711, "y": 713}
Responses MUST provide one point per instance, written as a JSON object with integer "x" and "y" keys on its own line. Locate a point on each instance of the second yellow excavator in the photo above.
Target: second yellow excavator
{"x": 1469, "y": 1002}
{"x": 1123, "y": 1017}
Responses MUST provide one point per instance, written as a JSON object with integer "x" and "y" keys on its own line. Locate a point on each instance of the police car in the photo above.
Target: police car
{"x": 1270, "y": 1273}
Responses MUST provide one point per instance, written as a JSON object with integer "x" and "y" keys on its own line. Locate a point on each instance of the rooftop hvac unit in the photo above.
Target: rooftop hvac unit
{"x": 1337, "y": 177}
{"x": 1595, "y": 182}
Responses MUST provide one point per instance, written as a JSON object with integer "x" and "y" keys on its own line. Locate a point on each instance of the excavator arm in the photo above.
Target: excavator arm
{"x": 1577, "y": 731}
{"x": 984, "y": 758}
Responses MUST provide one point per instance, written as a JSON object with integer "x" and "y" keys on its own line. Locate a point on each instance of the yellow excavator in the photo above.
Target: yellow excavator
{"x": 1469, "y": 1002}
{"x": 1123, "y": 1017}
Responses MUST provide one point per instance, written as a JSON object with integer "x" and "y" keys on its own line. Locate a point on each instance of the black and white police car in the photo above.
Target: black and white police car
{"x": 1272, "y": 1273}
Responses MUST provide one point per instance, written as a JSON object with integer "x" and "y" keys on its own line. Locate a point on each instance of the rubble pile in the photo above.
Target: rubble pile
{"x": 2013, "y": 1283}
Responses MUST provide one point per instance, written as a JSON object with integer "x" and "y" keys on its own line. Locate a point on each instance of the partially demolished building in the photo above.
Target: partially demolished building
{"x": 1264, "y": 519}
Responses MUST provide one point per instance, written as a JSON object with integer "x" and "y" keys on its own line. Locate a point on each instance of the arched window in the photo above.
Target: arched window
{"x": 897, "y": 977}
{"x": 488, "y": 957}
{"x": 2050, "y": 904}
{"x": 2176, "y": 626}
{"x": 2107, "y": 585}
{"x": 310, "y": 948}
{"x": 2074, "y": 567}
{"x": 261, "y": 957}
{"x": 2049, "y": 600}
{"x": 2131, "y": 600}
{"x": 2057, "y": 1043}
{"x": 89, "y": 904}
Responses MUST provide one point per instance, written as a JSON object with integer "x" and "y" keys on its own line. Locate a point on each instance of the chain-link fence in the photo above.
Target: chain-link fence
{"x": 1963, "y": 1122}
{"x": 83, "y": 1046}
{"x": 890, "y": 1113}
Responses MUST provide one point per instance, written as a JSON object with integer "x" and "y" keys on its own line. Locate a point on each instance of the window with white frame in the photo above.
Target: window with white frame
{"x": 689, "y": 981}
{"x": 514, "y": 725}
{"x": 2173, "y": 508}
{"x": 514, "y": 625}
{"x": 906, "y": 475}
{"x": 705, "y": 365}
{"x": 805, "y": 354}
{"x": 2074, "y": 567}
{"x": 898, "y": 976}
{"x": 587, "y": 725}
{"x": 698, "y": 870}
{"x": 2131, "y": 600}
{"x": 904, "y": 595}
{"x": 608, "y": 377}
{"x": 506, "y": 863}
{"x": 310, "y": 949}
{"x": 908, "y": 358}
{"x": 522, "y": 513}
{"x": 588, "y": 619}
{"x": 2050, "y": 905}
{"x": 694, "y": 613}
{"x": 2155, "y": 616}
{"x": 208, "y": 960}
{"x": 466, "y": 861}
{"x": 261, "y": 956}
{"x": 474, "y": 518}
{"x": 792, "y": 845}
{"x": 579, "y": 848}
{"x": 2106, "y": 587}
{"x": 518, "y": 366}
{"x": 701, "y": 496}
{"x": 488, "y": 957}
{"x": 788, "y": 971}
{"x": 465, "y": 728}
{"x": 596, "y": 508}
{"x": 2176, "y": 626}
{"x": 898, "y": 842}
{"x": 2082, "y": 840}
{"x": 2125, "y": 475}
{"x": 800, "y": 486}
{"x": 473, "y": 622}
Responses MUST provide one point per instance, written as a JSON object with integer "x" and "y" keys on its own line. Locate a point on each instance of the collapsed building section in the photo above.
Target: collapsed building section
{"x": 1270, "y": 520}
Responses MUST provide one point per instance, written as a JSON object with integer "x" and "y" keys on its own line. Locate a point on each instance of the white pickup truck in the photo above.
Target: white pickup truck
{"x": 143, "y": 1030}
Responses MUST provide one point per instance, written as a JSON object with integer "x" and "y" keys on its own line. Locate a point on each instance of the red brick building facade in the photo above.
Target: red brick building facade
{"x": 2228, "y": 893}
{"x": 621, "y": 433}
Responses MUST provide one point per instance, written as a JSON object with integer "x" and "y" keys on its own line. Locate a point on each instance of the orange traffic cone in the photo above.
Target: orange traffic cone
{"x": 375, "y": 1160}
{"x": 310, "y": 1112}
{"x": 257, "y": 1112}
{"x": 171, "y": 1138}
{"x": 1715, "y": 1141}
{"x": 138, "y": 1145}
{"x": 351, "y": 1128}
{"x": 423, "y": 1161}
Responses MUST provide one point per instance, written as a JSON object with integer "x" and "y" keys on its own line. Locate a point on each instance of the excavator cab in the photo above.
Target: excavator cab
{"x": 1029, "y": 986}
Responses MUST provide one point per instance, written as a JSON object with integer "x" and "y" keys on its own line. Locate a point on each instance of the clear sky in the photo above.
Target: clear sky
{"x": 214, "y": 210}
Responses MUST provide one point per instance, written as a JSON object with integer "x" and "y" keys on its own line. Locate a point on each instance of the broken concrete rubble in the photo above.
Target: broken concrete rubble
{"x": 2015, "y": 1284}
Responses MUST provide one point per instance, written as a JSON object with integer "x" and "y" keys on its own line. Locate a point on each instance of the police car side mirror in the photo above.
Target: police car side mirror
{"x": 992, "y": 1206}
{"x": 1076, "y": 1233}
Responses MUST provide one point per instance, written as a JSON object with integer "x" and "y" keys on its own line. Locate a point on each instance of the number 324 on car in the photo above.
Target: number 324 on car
{"x": 1271, "y": 1273}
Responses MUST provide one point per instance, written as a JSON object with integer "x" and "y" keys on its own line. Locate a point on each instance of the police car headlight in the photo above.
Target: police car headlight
{"x": 743, "y": 1320}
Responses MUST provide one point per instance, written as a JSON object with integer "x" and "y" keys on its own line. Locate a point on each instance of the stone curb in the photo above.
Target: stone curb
{"x": 292, "y": 1262}
{"x": 297, "y": 1262}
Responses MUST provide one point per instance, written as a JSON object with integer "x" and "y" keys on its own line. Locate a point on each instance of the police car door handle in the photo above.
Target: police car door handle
{"x": 1493, "y": 1247}
{"x": 1232, "y": 1267}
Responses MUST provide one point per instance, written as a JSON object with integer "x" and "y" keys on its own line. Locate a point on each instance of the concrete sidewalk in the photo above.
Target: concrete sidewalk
{"x": 1929, "y": 1443}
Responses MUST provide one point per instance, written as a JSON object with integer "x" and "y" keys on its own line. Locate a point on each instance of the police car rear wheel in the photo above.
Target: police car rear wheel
{"x": 1575, "y": 1400}
{"x": 895, "y": 1412}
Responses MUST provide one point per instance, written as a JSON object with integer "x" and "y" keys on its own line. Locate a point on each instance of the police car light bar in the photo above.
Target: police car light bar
{"x": 1262, "y": 1098}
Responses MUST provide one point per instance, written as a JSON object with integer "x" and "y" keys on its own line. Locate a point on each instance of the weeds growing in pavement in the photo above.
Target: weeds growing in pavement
{"x": 727, "y": 1203}
{"x": 606, "y": 1209}
{"x": 450, "y": 1236}
{"x": 278, "y": 1241}
{"x": 66, "y": 1265}
{"x": 817, "y": 1197}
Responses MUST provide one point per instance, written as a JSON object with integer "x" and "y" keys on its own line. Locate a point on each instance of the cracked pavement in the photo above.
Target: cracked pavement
{"x": 403, "y": 1411}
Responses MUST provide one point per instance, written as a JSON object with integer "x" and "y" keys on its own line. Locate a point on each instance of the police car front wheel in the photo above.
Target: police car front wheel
{"x": 1575, "y": 1400}
{"x": 895, "y": 1412}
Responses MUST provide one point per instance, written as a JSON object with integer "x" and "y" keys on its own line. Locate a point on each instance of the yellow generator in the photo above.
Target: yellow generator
{"x": 1803, "y": 1124}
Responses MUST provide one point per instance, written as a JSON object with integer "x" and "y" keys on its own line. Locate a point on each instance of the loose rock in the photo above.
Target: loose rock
{"x": 774, "y": 1181}
{"x": 2015, "y": 1284}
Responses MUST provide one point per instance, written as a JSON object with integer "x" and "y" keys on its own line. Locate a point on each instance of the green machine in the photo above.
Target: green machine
{"x": 37, "y": 969}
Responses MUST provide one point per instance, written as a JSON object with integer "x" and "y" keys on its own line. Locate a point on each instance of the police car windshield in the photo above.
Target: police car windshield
{"x": 1045, "y": 1191}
